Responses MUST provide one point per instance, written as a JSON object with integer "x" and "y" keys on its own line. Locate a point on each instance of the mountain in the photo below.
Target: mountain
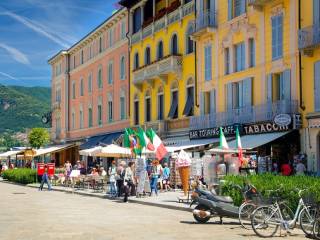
{"x": 23, "y": 107}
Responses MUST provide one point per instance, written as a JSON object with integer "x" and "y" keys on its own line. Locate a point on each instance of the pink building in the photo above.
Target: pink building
{"x": 90, "y": 86}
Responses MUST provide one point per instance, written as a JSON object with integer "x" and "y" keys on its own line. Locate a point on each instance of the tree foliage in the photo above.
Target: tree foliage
{"x": 38, "y": 137}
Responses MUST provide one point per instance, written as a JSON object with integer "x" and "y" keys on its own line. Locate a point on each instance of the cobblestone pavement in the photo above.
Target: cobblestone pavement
{"x": 26, "y": 213}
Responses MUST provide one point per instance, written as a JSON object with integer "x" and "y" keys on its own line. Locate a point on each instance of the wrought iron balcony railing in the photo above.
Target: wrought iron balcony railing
{"x": 309, "y": 37}
{"x": 258, "y": 113}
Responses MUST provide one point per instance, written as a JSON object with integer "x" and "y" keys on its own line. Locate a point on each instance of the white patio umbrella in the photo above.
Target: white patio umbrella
{"x": 113, "y": 150}
{"x": 90, "y": 151}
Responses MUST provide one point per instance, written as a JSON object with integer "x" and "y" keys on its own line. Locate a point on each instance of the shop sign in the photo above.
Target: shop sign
{"x": 261, "y": 128}
{"x": 213, "y": 132}
{"x": 282, "y": 119}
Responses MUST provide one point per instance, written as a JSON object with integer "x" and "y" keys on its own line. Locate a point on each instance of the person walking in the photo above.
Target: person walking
{"x": 166, "y": 177}
{"x": 45, "y": 179}
{"x": 300, "y": 168}
{"x": 129, "y": 181}
{"x": 112, "y": 178}
{"x": 155, "y": 173}
{"x": 120, "y": 177}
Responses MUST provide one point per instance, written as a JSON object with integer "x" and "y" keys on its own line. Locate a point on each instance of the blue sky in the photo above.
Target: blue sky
{"x": 32, "y": 31}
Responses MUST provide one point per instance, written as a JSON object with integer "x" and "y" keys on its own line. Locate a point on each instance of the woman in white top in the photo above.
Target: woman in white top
{"x": 129, "y": 181}
{"x": 112, "y": 174}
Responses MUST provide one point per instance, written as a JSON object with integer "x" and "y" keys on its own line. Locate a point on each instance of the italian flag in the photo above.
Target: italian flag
{"x": 159, "y": 147}
{"x": 239, "y": 145}
{"x": 223, "y": 141}
{"x": 149, "y": 144}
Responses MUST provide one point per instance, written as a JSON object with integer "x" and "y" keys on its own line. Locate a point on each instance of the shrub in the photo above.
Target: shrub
{"x": 20, "y": 175}
{"x": 265, "y": 182}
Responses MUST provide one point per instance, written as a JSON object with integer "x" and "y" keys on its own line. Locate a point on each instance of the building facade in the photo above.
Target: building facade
{"x": 309, "y": 41}
{"x": 162, "y": 64}
{"x": 247, "y": 67}
{"x": 90, "y": 87}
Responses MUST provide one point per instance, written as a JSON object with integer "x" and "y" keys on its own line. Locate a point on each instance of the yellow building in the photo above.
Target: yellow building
{"x": 247, "y": 74}
{"x": 162, "y": 64}
{"x": 309, "y": 42}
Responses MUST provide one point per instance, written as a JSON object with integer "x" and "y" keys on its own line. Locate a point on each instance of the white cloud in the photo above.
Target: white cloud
{"x": 7, "y": 76}
{"x": 15, "y": 54}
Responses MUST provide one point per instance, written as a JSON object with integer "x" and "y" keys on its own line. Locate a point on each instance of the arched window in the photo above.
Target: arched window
{"x": 189, "y": 42}
{"x": 110, "y": 72}
{"x": 99, "y": 78}
{"x": 122, "y": 104}
{"x": 110, "y": 107}
{"x": 90, "y": 117}
{"x": 100, "y": 45}
{"x": 147, "y": 57}
{"x": 90, "y": 83}
{"x": 81, "y": 87}
{"x": 160, "y": 103}
{"x": 160, "y": 50}
{"x": 174, "y": 45}
{"x": 136, "y": 109}
{"x": 148, "y": 106}
{"x": 173, "y": 113}
{"x": 189, "y": 107}
{"x": 136, "y": 61}
{"x": 122, "y": 68}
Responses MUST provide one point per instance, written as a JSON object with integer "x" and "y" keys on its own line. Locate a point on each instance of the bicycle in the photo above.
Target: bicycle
{"x": 272, "y": 217}
{"x": 316, "y": 224}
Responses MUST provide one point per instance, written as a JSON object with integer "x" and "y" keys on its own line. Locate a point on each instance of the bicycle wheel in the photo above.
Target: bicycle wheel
{"x": 316, "y": 228}
{"x": 245, "y": 212}
{"x": 287, "y": 213}
{"x": 265, "y": 221}
{"x": 306, "y": 219}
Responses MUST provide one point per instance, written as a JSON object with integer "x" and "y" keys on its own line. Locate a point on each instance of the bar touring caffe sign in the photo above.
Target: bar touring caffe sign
{"x": 280, "y": 124}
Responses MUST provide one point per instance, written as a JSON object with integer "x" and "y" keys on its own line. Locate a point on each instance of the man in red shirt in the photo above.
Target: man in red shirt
{"x": 286, "y": 169}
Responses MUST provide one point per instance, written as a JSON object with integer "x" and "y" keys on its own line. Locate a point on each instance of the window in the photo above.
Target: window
{"x": 122, "y": 68}
{"x": 73, "y": 119}
{"x": 279, "y": 86}
{"x": 174, "y": 45}
{"x": 240, "y": 57}
{"x": 74, "y": 62}
{"x": 136, "y": 61}
{"x": 90, "y": 83}
{"x": 173, "y": 113}
{"x": 252, "y": 53}
{"x": 73, "y": 90}
{"x": 100, "y": 85}
{"x": 160, "y": 50}
{"x": 90, "y": 117}
{"x": 111, "y": 37}
{"x": 189, "y": 107}
{"x": 100, "y": 45}
{"x": 137, "y": 20}
{"x": 58, "y": 94}
{"x": 236, "y": 8}
{"x": 91, "y": 51}
{"x": 227, "y": 61}
{"x": 81, "y": 87}
{"x": 110, "y": 111}
{"x": 317, "y": 86}
{"x": 99, "y": 115}
{"x": 160, "y": 106}
{"x": 208, "y": 102}
{"x": 110, "y": 73}
{"x": 81, "y": 57}
{"x": 189, "y": 41}
{"x": 148, "y": 107}
{"x": 147, "y": 57}
{"x": 81, "y": 119}
{"x": 277, "y": 36}
{"x": 136, "y": 110}
{"x": 122, "y": 108}
{"x": 123, "y": 30}
{"x": 239, "y": 94}
{"x": 207, "y": 63}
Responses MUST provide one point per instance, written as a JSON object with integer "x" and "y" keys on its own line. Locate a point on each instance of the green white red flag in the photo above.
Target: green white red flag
{"x": 223, "y": 141}
{"x": 148, "y": 143}
{"x": 239, "y": 146}
{"x": 159, "y": 147}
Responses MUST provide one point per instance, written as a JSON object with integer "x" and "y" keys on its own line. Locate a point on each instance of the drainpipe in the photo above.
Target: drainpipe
{"x": 302, "y": 106}
{"x": 129, "y": 60}
{"x": 195, "y": 59}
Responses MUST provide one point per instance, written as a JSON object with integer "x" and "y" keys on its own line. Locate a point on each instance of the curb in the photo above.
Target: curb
{"x": 177, "y": 208}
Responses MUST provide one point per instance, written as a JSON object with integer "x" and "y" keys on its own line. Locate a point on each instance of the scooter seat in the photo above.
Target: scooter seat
{"x": 224, "y": 199}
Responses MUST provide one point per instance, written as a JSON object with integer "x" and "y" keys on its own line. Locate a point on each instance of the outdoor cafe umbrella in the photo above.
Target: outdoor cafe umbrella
{"x": 113, "y": 150}
{"x": 90, "y": 151}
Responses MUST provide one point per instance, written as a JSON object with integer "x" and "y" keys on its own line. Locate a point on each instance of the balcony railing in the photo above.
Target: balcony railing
{"x": 169, "y": 64}
{"x": 258, "y": 113}
{"x": 259, "y": 3}
{"x": 205, "y": 20}
{"x": 159, "y": 23}
{"x": 309, "y": 37}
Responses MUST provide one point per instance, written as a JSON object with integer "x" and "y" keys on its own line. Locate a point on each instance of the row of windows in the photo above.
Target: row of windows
{"x": 110, "y": 78}
{"x": 99, "y": 113}
{"x": 174, "y": 49}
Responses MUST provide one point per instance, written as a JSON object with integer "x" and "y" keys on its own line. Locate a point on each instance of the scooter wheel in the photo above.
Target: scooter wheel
{"x": 201, "y": 219}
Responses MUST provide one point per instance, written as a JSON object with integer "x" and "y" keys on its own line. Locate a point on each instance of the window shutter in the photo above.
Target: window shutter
{"x": 201, "y": 9}
{"x": 213, "y": 101}
{"x": 274, "y": 36}
{"x": 280, "y": 35}
{"x": 243, "y": 6}
{"x": 316, "y": 14}
{"x": 201, "y": 103}
{"x": 230, "y": 9}
{"x": 287, "y": 84}
{"x": 229, "y": 96}
{"x": 317, "y": 86}
{"x": 269, "y": 88}
{"x": 247, "y": 92}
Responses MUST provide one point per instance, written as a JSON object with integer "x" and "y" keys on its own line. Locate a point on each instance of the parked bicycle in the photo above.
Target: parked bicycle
{"x": 267, "y": 219}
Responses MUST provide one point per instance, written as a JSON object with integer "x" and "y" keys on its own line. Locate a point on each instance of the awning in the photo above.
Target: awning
{"x": 90, "y": 151}
{"x": 52, "y": 149}
{"x": 113, "y": 150}
{"x": 188, "y": 109}
{"x": 101, "y": 139}
{"x": 187, "y": 144}
{"x": 8, "y": 154}
{"x": 173, "y": 108}
{"x": 254, "y": 141}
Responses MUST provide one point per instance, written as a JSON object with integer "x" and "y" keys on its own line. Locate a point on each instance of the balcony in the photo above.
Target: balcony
{"x": 158, "y": 69}
{"x": 205, "y": 23}
{"x": 163, "y": 19}
{"x": 253, "y": 114}
{"x": 309, "y": 38}
{"x": 258, "y": 4}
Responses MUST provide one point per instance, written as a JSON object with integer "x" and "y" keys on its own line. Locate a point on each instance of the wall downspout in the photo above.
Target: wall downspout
{"x": 129, "y": 62}
{"x": 302, "y": 107}
{"x": 195, "y": 59}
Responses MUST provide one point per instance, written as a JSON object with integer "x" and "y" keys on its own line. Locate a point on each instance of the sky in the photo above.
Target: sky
{"x": 32, "y": 31}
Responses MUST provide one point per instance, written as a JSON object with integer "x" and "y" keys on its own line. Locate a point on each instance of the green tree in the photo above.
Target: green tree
{"x": 7, "y": 141}
{"x": 38, "y": 137}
